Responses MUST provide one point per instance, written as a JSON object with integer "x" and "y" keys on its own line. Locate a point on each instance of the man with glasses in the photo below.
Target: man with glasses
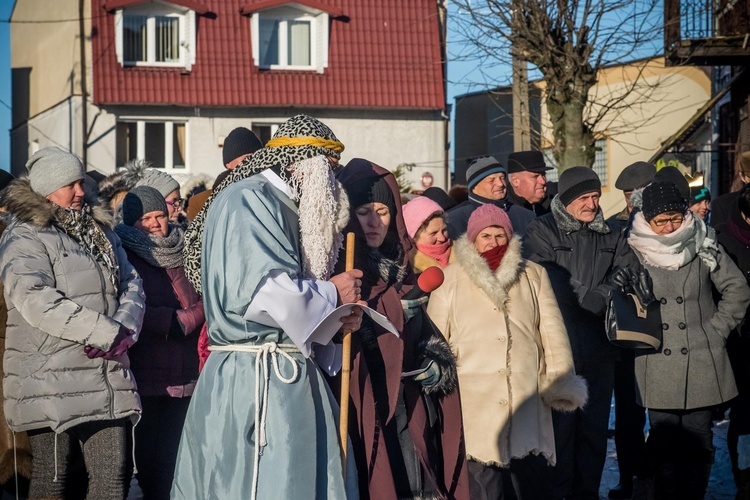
{"x": 580, "y": 252}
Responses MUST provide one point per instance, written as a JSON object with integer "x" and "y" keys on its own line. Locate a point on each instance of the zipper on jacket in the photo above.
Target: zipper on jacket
{"x": 110, "y": 390}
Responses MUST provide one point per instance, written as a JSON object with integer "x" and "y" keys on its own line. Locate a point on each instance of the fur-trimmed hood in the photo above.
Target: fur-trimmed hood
{"x": 495, "y": 285}
{"x": 31, "y": 208}
{"x": 569, "y": 224}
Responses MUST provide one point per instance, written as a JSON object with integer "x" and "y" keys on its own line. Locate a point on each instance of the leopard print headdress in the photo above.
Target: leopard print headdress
{"x": 299, "y": 138}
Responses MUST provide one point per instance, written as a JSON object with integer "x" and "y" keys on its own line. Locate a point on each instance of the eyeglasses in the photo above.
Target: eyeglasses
{"x": 676, "y": 220}
{"x": 175, "y": 203}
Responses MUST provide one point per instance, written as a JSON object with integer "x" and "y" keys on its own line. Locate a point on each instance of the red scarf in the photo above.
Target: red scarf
{"x": 494, "y": 256}
{"x": 440, "y": 252}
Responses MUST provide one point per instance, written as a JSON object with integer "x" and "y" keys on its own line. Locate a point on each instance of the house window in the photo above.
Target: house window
{"x": 600, "y": 162}
{"x": 161, "y": 143}
{"x": 265, "y": 132}
{"x": 155, "y": 35}
{"x": 290, "y": 38}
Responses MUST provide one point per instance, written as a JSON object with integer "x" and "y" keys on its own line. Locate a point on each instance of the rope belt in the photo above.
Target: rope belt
{"x": 272, "y": 351}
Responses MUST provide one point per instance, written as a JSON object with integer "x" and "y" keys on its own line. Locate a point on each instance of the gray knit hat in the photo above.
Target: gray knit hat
{"x": 164, "y": 183}
{"x": 577, "y": 181}
{"x": 481, "y": 168}
{"x": 139, "y": 201}
{"x": 52, "y": 168}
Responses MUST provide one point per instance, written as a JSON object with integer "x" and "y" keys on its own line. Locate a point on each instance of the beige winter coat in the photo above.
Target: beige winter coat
{"x": 514, "y": 357}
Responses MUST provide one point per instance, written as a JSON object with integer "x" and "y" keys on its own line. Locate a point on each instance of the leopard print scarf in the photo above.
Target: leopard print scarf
{"x": 81, "y": 226}
{"x": 301, "y": 137}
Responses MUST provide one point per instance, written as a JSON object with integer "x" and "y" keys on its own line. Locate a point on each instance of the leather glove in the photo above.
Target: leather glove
{"x": 643, "y": 287}
{"x": 123, "y": 341}
{"x": 621, "y": 278}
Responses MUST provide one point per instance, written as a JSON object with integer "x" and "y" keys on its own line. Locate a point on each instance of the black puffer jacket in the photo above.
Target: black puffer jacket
{"x": 579, "y": 259}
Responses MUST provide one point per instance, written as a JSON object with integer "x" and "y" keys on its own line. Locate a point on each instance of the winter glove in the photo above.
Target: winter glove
{"x": 123, "y": 341}
{"x": 93, "y": 352}
{"x": 643, "y": 287}
{"x": 621, "y": 278}
{"x": 428, "y": 375}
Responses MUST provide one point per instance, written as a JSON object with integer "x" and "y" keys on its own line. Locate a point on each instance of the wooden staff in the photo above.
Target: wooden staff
{"x": 346, "y": 362}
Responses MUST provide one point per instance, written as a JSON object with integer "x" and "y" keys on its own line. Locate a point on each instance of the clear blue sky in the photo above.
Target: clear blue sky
{"x": 6, "y": 6}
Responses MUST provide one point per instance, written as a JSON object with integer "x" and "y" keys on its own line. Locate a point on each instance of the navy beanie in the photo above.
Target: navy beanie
{"x": 577, "y": 181}
{"x": 660, "y": 197}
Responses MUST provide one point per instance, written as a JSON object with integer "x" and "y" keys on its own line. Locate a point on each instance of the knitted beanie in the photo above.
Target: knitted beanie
{"x": 698, "y": 194}
{"x": 139, "y": 201}
{"x": 577, "y": 181}
{"x": 417, "y": 211}
{"x": 162, "y": 182}
{"x": 240, "y": 142}
{"x": 485, "y": 216}
{"x": 673, "y": 175}
{"x": 52, "y": 168}
{"x": 481, "y": 168}
{"x": 660, "y": 197}
{"x": 371, "y": 190}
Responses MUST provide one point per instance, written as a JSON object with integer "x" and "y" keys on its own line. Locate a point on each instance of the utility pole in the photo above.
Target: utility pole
{"x": 521, "y": 127}
{"x": 84, "y": 88}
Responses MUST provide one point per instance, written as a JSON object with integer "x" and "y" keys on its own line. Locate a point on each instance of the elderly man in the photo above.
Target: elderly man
{"x": 637, "y": 175}
{"x": 486, "y": 182}
{"x": 580, "y": 251}
{"x": 527, "y": 173}
{"x": 263, "y": 423}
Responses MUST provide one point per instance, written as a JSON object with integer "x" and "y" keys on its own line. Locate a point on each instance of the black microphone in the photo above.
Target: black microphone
{"x": 429, "y": 281}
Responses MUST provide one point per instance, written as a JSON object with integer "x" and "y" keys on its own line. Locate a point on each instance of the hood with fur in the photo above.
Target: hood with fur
{"x": 31, "y": 208}
{"x": 495, "y": 285}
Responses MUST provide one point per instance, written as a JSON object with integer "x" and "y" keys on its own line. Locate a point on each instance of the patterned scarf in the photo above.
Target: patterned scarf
{"x": 165, "y": 253}
{"x": 441, "y": 252}
{"x": 675, "y": 250}
{"x": 81, "y": 226}
{"x": 301, "y": 137}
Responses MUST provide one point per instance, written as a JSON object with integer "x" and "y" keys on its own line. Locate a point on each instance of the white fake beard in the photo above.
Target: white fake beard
{"x": 323, "y": 214}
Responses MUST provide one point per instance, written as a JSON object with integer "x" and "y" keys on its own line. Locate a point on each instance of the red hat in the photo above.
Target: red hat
{"x": 485, "y": 216}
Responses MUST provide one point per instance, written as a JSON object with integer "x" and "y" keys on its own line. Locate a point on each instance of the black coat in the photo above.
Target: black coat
{"x": 579, "y": 259}
{"x": 458, "y": 217}
{"x": 722, "y": 207}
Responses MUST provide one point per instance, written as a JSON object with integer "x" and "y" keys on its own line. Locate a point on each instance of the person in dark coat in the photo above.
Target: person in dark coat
{"x": 690, "y": 374}
{"x": 406, "y": 431}
{"x": 580, "y": 251}
{"x": 734, "y": 236}
{"x": 630, "y": 417}
{"x": 165, "y": 360}
{"x": 527, "y": 176}
{"x": 487, "y": 184}
{"x": 722, "y": 206}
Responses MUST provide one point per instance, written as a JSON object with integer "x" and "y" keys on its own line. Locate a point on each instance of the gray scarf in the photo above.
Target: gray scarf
{"x": 81, "y": 226}
{"x": 165, "y": 253}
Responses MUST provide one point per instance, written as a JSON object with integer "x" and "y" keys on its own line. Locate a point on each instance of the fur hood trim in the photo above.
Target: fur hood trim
{"x": 113, "y": 184}
{"x": 437, "y": 349}
{"x": 195, "y": 182}
{"x": 495, "y": 285}
{"x": 569, "y": 224}
{"x": 564, "y": 392}
{"x": 34, "y": 209}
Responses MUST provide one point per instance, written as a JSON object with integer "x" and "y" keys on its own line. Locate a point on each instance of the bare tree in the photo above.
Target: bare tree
{"x": 568, "y": 42}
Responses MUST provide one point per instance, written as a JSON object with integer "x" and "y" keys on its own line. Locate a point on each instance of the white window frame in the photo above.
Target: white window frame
{"x": 318, "y": 20}
{"x": 187, "y": 30}
{"x": 168, "y": 142}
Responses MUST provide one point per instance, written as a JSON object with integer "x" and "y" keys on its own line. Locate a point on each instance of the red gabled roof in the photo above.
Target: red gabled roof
{"x": 386, "y": 56}
{"x": 198, "y": 7}
{"x": 267, "y": 4}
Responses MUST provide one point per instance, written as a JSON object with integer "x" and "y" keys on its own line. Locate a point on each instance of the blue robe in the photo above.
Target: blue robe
{"x": 251, "y": 230}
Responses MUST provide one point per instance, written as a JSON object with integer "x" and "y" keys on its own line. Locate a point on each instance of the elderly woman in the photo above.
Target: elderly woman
{"x": 425, "y": 223}
{"x": 690, "y": 374}
{"x": 75, "y": 306}
{"x": 165, "y": 360}
{"x": 500, "y": 315}
{"x": 405, "y": 423}
{"x": 139, "y": 173}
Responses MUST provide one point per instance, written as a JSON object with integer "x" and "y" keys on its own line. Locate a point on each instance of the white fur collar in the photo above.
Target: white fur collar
{"x": 495, "y": 285}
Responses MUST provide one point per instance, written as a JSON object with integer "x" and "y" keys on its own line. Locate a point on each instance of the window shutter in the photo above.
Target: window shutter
{"x": 191, "y": 44}
{"x": 255, "y": 39}
{"x": 321, "y": 42}
{"x": 118, "y": 35}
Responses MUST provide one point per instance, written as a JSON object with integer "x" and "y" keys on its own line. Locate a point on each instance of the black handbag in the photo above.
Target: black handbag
{"x": 630, "y": 324}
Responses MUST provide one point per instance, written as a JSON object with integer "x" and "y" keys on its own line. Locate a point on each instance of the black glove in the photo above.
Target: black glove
{"x": 643, "y": 287}
{"x": 621, "y": 278}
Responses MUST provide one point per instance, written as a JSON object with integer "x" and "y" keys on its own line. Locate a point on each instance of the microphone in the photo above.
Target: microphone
{"x": 429, "y": 281}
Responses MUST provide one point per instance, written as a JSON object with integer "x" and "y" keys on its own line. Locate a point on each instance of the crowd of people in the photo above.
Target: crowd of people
{"x": 196, "y": 343}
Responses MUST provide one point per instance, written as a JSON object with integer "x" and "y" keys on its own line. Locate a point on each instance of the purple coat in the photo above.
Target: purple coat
{"x": 161, "y": 359}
